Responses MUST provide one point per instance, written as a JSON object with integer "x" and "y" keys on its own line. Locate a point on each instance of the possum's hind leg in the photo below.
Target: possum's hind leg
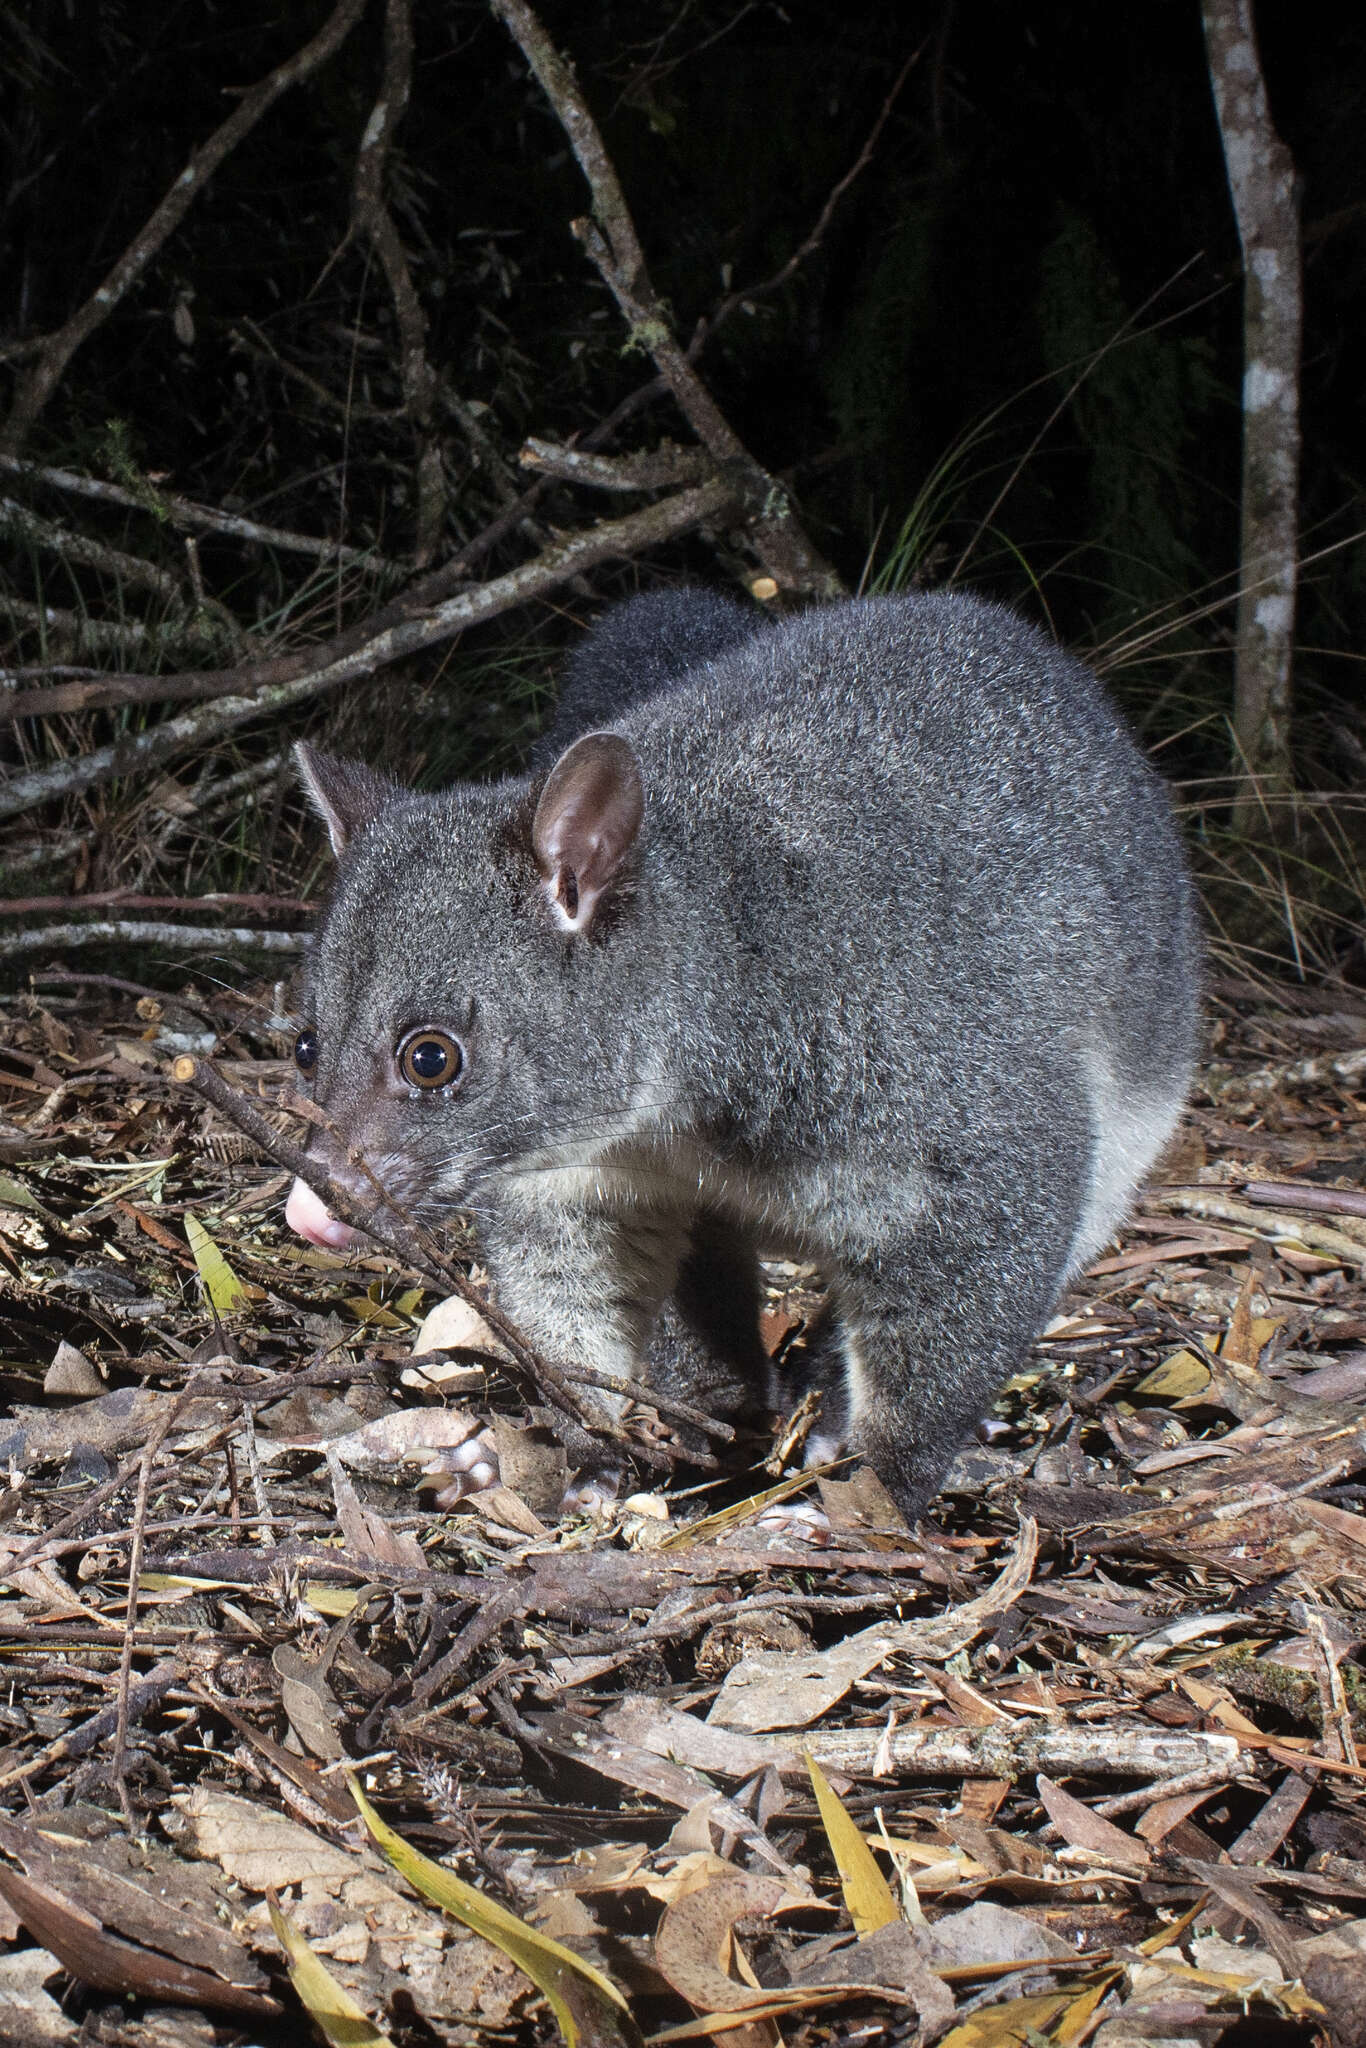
{"x": 934, "y": 1317}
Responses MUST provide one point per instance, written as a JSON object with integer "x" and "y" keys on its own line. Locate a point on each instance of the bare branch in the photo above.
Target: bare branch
{"x": 368, "y": 648}
{"x": 664, "y": 468}
{"x": 175, "y": 938}
{"x": 416, "y": 375}
{"x": 40, "y": 380}
{"x": 183, "y": 513}
{"x": 771, "y": 524}
{"x": 125, "y": 899}
{"x": 20, "y": 524}
{"x": 75, "y": 630}
{"x": 808, "y": 248}
{"x": 53, "y": 850}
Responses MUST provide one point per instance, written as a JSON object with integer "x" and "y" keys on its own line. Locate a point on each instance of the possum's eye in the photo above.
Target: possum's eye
{"x": 430, "y": 1059}
{"x": 306, "y": 1051}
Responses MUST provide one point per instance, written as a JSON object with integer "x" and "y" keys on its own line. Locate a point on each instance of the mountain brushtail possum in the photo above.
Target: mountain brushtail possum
{"x": 863, "y": 937}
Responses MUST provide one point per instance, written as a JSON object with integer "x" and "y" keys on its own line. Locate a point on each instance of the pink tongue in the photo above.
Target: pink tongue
{"x": 307, "y": 1217}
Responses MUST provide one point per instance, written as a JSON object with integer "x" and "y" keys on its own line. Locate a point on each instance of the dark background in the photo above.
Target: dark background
{"x": 1050, "y": 181}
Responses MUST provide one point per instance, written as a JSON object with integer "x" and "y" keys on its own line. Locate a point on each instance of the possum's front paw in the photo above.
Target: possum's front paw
{"x": 473, "y": 1466}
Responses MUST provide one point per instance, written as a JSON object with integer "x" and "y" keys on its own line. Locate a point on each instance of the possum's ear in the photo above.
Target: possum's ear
{"x": 586, "y": 824}
{"x": 347, "y": 795}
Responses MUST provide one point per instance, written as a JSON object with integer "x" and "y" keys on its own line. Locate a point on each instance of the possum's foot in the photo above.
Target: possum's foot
{"x": 796, "y": 1521}
{"x": 473, "y": 1468}
{"x": 590, "y": 1493}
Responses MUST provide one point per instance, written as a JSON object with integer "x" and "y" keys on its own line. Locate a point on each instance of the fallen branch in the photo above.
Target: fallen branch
{"x": 104, "y": 899}
{"x": 369, "y": 648}
{"x": 1000, "y": 1749}
{"x": 660, "y": 469}
{"x": 1295, "y": 1195}
{"x": 79, "y": 630}
{"x": 184, "y": 514}
{"x": 177, "y": 938}
{"x": 1315, "y": 1237}
{"x": 20, "y": 524}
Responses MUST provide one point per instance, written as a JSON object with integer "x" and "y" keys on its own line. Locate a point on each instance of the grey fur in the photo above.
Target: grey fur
{"x": 640, "y": 649}
{"x": 900, "y": 974}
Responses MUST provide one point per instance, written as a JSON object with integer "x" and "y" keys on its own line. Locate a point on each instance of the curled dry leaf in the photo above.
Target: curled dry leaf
{"x": 108, "y": 1963}
{"x": 786, "y": 1690}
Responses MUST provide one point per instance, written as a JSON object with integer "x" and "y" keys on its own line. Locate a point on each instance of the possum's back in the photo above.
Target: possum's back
{"x": 948, "y": 804}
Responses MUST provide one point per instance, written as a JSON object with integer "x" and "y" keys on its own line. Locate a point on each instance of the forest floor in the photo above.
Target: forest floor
{"x": 1076, "y": 1761}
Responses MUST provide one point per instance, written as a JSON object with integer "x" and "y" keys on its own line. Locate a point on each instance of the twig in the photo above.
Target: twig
{"x": 183, "y": 513}
{"x": 123, "y": 899}
{"x": 178, "y": 938}
{"x": 611, "y": 242}
{"x": 1218, "y": 1208}
{"x": 132, "y": 1704}
{"x": 661, "y": 469}
{"x": 21, "y": 524}
{"x": 663, "y": 1404}
{"x": 367, "y": 648}
{"x": 38, "y": 383}
{"x": 416, "y": 376}
{"x": 1294, "y": 1195}
{"x": 81, "y": 629}
{"x": 149, "y": 1457}
{"x": 812, "y": 242}
{"x": 1017, "y": 1750}
{"x": 51, "y": 851}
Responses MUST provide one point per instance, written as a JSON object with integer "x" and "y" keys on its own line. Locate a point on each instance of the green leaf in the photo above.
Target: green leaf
{"x": 588, "y": 2006}
{"x": 340, "y": 2021}
{"x": 226, "y": 1292}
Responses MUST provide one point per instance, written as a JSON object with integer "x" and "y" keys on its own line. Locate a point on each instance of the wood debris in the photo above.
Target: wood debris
{"x": 1099, "y": 1720}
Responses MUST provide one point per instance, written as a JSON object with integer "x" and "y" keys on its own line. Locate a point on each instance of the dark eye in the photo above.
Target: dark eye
{"x": 306, "y": 1050}
{"x": 430, "y": 1059}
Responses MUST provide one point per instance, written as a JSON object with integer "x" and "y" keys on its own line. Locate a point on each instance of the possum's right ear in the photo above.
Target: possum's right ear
{"x": 347, "y": 795}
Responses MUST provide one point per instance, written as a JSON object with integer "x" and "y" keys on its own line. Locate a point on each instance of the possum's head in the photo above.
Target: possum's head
{"x": 464, "y": 995}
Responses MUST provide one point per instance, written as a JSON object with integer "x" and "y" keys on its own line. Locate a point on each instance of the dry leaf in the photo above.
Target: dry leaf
{"x": 867, "y": 1895}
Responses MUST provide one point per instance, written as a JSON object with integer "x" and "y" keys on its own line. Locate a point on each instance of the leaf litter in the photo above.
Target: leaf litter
{"x": 736, "y": 1758}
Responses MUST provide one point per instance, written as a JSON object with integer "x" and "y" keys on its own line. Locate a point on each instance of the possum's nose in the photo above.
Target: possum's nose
{"x": 308, "y": 1218}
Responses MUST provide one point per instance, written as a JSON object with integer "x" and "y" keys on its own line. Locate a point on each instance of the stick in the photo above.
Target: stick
{"x": 416, "y": 375}
{"x": 612, "y": 244}
{"x": 179, "y": 938}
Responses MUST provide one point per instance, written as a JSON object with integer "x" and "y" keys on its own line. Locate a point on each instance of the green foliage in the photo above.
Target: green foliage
{"x": 114, "y": 454}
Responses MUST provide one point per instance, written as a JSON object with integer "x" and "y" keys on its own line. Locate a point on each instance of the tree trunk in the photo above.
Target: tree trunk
{"x": 1261, "y": 179}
